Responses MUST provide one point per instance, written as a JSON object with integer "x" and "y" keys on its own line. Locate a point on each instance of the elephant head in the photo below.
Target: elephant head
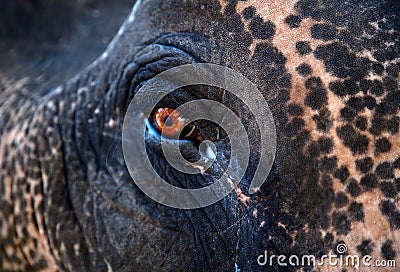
{"x": 329, "y": 73}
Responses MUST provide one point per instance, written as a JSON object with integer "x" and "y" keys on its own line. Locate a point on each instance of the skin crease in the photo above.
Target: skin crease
{"x": 329, "y": 71}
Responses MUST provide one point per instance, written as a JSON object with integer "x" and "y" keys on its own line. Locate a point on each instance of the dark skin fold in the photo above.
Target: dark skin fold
{"x": 329, "y": 73}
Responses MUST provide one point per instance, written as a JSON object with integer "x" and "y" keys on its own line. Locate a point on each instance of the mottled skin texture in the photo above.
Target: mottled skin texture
{"x": 329, "y": 71}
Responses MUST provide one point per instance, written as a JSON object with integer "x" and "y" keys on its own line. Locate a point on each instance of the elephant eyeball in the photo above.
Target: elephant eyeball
{"x": 168, "y": 121}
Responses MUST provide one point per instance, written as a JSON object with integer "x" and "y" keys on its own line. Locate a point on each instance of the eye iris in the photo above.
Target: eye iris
{"x": 168, "y": 121}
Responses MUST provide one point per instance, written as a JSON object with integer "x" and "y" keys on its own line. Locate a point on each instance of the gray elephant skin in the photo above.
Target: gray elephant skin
{"x": 329, "y": 71}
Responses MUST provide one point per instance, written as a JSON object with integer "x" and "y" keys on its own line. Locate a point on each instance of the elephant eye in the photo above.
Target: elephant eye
{"x": 170, "y": 122}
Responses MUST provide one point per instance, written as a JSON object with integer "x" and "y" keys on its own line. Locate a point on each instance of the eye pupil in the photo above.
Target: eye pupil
{"x": 168, "y": 122}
